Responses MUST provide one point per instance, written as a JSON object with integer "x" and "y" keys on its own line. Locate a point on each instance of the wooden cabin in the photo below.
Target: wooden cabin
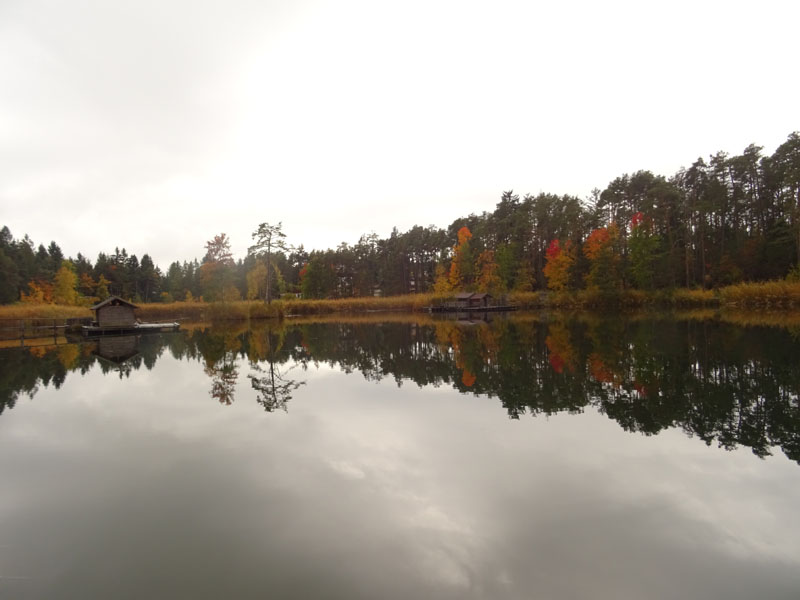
{"x": 462, "y": 299}
{"x": 473, "y": 300}
{"x": 470, "y": 302}
{"x": 114, "y": 312}
{"x": 481, "y": 300}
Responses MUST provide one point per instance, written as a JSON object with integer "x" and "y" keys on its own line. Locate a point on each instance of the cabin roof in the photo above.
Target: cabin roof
{"x": 472, "y": 296}
{"x": 109, "y": 300}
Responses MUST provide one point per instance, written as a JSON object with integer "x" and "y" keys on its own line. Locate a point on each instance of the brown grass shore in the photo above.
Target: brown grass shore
{"x": 771, "y": 295}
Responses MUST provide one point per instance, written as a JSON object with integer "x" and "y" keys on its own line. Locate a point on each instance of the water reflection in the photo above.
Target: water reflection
{"x": 727, "y": 385}
{"x": 272, "y": 384}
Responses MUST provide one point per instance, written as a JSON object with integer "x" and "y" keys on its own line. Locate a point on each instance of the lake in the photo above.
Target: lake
{"x": 533, "y": 456}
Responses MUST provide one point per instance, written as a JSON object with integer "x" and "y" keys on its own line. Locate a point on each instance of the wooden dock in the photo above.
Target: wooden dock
{"x": 24, "y": 329}
{"x": 97, "y": 330}
{"x": 448, "y": 308}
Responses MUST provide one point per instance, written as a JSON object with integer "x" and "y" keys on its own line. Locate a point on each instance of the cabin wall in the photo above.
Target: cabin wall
{"x": 115, "y": 316}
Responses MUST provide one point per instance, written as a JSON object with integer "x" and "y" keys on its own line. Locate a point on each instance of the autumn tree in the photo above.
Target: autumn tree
{"x": 602, "y": 250}
{"x": 217, "y": 261}
{"x": 64, "y": 285}
{"x": 441, "y": 282}
{"x": 558, "y": 267}
{"x": 461, "y": 265}
{"x": 39, "y": 292}
{"x": 257, "y": 281}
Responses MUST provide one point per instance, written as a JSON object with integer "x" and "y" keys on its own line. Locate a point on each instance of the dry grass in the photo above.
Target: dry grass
{"x": 768, "y": 294}
{"x": 366, "y": 318}
{"x": 526, "y": 300}
{"x": 582, "y": 299}
{"x": 695, "y": 297}
{"x": 408, "y": 302}
{"x": 242, "y": 310}
{"x": 42, "y": 311}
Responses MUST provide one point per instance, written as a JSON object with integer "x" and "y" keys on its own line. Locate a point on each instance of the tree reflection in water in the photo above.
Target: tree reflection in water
{"x": 273, "y": 388}
{"x": 725, "y": 384}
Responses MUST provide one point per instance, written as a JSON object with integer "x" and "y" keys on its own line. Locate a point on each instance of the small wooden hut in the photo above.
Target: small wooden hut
{"x": 473, "y": 300}
{"x": 480, "y": 300}
{"x": 462, "y": 299}
{"x": 114, "y": 312}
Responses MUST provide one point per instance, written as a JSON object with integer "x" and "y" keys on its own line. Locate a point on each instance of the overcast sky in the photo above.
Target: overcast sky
{"x": 154, "y": 125}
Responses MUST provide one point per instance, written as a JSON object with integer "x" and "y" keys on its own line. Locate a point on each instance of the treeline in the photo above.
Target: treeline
{"x": 721, "y": 221}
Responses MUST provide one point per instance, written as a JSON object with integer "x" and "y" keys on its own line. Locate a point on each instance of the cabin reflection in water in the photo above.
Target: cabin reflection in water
{"x": 468, "y": 318}
{"x": 118, "y": 351}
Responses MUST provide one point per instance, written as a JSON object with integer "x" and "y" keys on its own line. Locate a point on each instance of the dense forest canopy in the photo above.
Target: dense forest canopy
{"x": 723, "y": 220}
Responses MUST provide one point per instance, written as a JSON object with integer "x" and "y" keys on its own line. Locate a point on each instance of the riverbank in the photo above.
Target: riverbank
{"x": 770, "y": 295}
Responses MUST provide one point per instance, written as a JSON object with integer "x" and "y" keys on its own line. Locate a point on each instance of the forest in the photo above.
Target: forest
{"x": 723, "y": 220}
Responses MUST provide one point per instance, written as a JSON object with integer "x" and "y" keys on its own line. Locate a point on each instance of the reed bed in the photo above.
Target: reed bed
{"x": 767, "y": 295}
{"x": 408, "y": 302}
{"x": 242, "y": 310}
{"x": 583, "y": 299}
{"x": 43, "y": 311}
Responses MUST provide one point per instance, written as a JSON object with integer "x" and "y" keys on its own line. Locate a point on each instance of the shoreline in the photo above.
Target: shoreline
{"x": 765, "y": 296}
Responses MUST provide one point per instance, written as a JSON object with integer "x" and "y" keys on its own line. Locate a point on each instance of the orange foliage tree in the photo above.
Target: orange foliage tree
{"x": 461, "y": 265}
{"x": 602, "y": 250}
{"x": 39, "y": 292}
{"x": 559, "y": 265}
{"x": 561, "y": 352}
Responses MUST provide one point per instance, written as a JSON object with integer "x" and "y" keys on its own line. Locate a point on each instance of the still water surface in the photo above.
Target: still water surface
{"x": 530, "y": 457}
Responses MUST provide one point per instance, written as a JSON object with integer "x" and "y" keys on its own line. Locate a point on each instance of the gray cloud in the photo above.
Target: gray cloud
{"x": 200, "y": 117}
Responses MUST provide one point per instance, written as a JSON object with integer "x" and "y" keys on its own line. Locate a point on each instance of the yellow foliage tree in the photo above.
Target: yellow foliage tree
{"x": 488, "y": 274}
{"x": 64, "y": 285}
{"x": 441, "y": 283}
{"x": 257, "y": 282}
{"x": 559, "y": 263}
{"x": 230, "y": 293}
